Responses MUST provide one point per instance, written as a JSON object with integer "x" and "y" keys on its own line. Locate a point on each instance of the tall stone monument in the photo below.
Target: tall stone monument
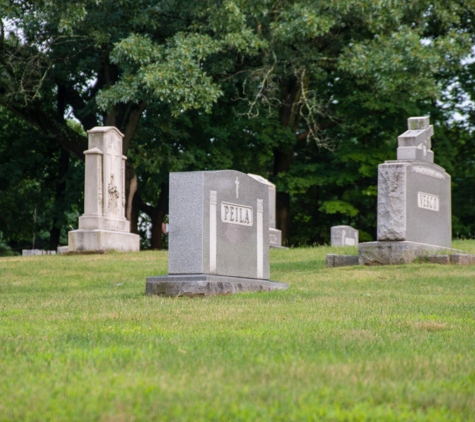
{"x": 414, "y": 202}
{"x": 275, "y": 235}
{"x": 344, "y": 236}
{"x": 103, "y": 225}
{"x": 218, "y": 236}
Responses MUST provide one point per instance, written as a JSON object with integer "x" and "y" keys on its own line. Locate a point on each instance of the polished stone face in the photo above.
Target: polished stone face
{"x": 219, "y": 224}
{"x": 344, "y": 236}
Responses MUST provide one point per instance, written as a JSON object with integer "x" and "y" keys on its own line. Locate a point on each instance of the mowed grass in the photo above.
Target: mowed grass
{"x": 80, "y": 341}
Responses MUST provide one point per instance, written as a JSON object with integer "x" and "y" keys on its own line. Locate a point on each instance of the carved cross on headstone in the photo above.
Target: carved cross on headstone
{"x": 237, "y": 187}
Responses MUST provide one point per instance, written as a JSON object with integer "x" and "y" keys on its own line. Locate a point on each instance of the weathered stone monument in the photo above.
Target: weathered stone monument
{"x": 218, "y": 236}
{"x": 103, "y": 225}
{"x": 414, "y": 202}
{"x": 275, "y": 235}
{"x": 344, "y": 236}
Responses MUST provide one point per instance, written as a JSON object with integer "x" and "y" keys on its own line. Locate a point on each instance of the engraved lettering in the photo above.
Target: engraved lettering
{"x": 428, "y": 172}
{"x": 236, "y": 214}
{"x": 428, "y": 201}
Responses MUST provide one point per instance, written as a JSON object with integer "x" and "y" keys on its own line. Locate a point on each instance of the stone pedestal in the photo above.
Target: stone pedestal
{"x": 414, "y": 202}
{"x": 103, "y": 225}
{"x": 218, "y": 236}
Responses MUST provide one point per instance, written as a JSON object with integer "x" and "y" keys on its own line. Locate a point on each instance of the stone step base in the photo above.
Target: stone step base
{"x": 341, "y": 260}
{"x": 398, "y": 252}
{"x": 192, "y": 285}
{"x": 102, "y": 240}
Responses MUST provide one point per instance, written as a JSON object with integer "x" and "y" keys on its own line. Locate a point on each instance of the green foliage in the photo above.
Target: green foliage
{"x": 310, "y": 94}
{"x": 28, "y": 172}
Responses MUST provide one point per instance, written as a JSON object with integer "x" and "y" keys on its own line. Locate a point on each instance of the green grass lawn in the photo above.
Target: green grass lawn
{"x": 80, "y": 341}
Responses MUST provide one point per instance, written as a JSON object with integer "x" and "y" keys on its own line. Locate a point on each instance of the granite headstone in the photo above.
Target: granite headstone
{"x": 414, "y": 201}
{"x": 344, "y": 236}
{"x": 275, "y": 235}
{"x": 218, "y": 236}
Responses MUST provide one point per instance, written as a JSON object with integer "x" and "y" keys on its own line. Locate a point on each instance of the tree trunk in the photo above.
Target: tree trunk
{"x": 156, "y": 214}
{"x": 289, "y": 117}
{"x": 59, "y": 205}
{"x": 131, "y": 214}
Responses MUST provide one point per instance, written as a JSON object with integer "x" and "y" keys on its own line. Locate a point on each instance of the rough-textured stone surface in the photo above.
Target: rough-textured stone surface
{"x": 436, "y": 259}
{"x": 33, "y": 252}
{"x": 392, "y": 201}
{"x": 460, "y": 259}
{"x": 343, "y": 236}
{"x": 396, "y": 253}
{"x": 341, "y": 260}
{"x": 192, "y": 285}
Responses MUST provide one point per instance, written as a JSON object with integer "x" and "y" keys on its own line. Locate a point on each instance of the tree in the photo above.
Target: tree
{"x": 300, "y": 75}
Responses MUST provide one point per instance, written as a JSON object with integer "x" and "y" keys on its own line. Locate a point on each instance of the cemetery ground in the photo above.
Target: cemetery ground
{"x": 80, "y": 341}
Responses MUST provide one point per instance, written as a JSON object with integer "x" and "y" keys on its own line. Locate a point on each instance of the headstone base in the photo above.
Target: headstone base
{"x": 102, "y": 240}
{"x": 191, "y": 285}
{"x": 397, "y": 252}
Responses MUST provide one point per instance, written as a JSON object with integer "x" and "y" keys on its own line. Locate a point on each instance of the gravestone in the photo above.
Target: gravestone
{"x": 344, "y": 236}
{"x": 275, "y": 235}
{"x": 33, "y": 252}
{"x": 218, "y": 236}
{"x": 414, "y": 202}
{"x": 103, "y": 225}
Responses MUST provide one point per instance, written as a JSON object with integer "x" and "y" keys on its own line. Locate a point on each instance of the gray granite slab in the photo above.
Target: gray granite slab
{"x": 436, "y": 259}
{"x": 34, "y": 252}
{"x": 218, "y": 235}
{"x": 192, "y": 285}
{"x": 218, "y": 224}
{"x": 461, "y": 259}
{"x": 275, "y": 235}
{"x": 334, "y": 260}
